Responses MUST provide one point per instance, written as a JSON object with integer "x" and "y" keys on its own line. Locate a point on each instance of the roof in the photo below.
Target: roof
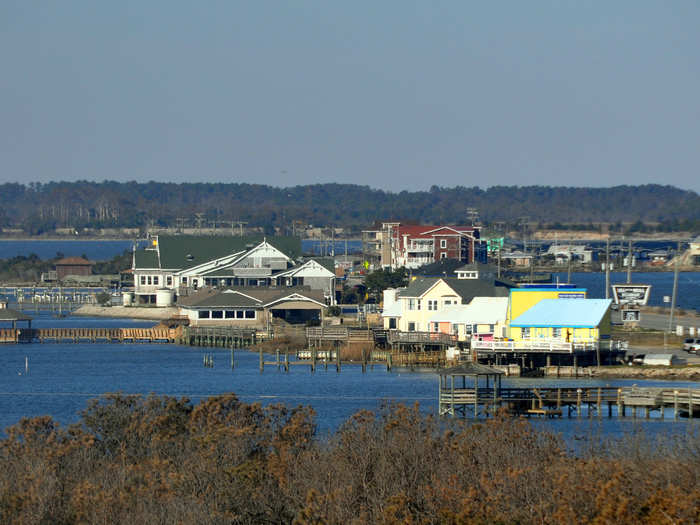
{"x": 470, "y": 369}
{"x": 246, "y": 297}
{"x": 427, "y": 231}
{"x": 186, "y": 251}
{"x": 467, "y": 289}
{"x": 482, "y": 310}
{"x": 392, "y": 311}
{"x": 73, "y": 261}
{"x": 564, "y": 313}
{"x": 8, "y": 314}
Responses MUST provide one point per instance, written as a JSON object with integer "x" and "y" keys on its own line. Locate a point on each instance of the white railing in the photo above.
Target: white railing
{"x": 539, "y": 345}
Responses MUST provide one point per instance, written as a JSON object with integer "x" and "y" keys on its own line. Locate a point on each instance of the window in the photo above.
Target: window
{"x": 239, "y": 314}
{"x": 250, "y": 314}
{"x": 443, "y": 255}
{"x": 411, "y": 304}
{"x": 443, "y": 243}
{"x": 155, "y": 279}
{"x": 217, "y": 314}
{"x": 204, "y": 314}
{"x": 491, "y": 327}
{"x": 392, "y": 323}
{"x": 150, "y": 280}
{"x": 143, "y": 279}
{"x": 411, "y": 327}
{"x": 169, "y": 280}
{"x": 556, "y": 333}
{"x": 455, "y": 329}
{"x": 432, "y": 304}
{"x": 468, "y": 329}
{"x": 436, "y": 327}
{"x": 526, "y": 333}
{"x": 184, "y": 280}
{"x": 418, "y": 305}
{"x": 447, "y": 302}
{"x": 230, "y": 314}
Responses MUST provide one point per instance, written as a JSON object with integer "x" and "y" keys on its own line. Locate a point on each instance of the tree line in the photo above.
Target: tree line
{"x": 134, "y": 459}
{"x": 40, "y": 207}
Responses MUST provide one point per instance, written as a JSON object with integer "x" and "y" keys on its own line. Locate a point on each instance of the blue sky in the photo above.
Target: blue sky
{"x": 396, "y": 95}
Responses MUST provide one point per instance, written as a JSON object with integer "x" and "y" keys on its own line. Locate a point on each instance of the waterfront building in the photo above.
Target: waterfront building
{"x": 255, "y": 307}
{"x": 525, "y": 297}
{"x": 399, "y": 245}
{"x": 580, "y": 322}
{"x": 483, "y": 319}
{"x": 412, "y": 308}
{"x": 78, "y": 266}
{"x": 182, "y": 264}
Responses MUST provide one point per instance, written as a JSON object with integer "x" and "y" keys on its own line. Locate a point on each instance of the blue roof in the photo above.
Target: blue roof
{"x": 564, "y": 313}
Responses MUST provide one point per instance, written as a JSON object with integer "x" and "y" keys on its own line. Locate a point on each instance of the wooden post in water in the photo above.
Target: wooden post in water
{"x": 675, "y": 404}
{"x": 388, "y": 361}
{"x": 286, "y": 361}
{"x": 313, "y": 358}
{"x": 690, "y": 404}
{"x": 262, "y": 363}
{"x": 232, "y": 362}
{"x": 277, "y": 352}
{"x": 337, "y": 358}
{"x": 620, "y": 404}
{"x": 578, "y": 402}
{"x": 364, "y": 361}
{"x": 600, "y": 402}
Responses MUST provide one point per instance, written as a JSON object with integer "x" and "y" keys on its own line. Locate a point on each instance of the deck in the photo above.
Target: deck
{"x": 554, "y": 401}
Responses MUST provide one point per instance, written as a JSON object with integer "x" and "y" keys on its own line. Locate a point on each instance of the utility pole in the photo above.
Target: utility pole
{"x": 199, "y": 218}
{"x": 629, "y": 263}
{"x": 675, "y": 287}
{"x": 607, "y": 268}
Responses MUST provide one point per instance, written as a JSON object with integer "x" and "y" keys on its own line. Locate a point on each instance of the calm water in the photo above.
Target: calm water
{"x": 661, "y": 285}
{"x": 62, "y": 377}
{"x": 93, "y": 250}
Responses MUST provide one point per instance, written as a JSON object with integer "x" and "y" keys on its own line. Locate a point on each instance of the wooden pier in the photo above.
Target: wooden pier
{"x": 222, "y": 337}
{"x": 156, "y": 334}
{"x": 485, "y": 399}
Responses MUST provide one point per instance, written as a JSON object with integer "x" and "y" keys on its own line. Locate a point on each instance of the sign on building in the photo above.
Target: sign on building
{"x": 631, "y": 294}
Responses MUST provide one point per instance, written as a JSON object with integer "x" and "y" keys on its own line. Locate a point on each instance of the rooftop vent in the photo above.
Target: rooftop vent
{"x": 189, "y": 257}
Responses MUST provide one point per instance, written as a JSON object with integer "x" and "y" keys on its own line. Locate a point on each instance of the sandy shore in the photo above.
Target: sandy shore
{"x": 132, "y": 312}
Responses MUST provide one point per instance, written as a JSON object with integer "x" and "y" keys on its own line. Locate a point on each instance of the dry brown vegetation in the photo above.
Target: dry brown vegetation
{"x": 145, "y": 460}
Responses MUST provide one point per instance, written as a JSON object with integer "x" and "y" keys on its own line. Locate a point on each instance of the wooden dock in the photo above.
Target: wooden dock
{"x": 156, "y": 334}
{"x": 572, "y": 401}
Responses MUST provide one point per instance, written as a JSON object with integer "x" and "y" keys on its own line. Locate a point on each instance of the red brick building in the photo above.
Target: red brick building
{"x": 413, "y": 246}
{"x": 73, "y": 266}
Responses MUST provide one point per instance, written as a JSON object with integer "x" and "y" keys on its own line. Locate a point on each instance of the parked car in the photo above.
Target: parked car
{"x": 694, "y": 348}
{"x": 688, "y": 343}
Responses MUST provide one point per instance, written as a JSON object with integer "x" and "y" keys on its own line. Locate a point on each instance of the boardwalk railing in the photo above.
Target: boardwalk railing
{"x": 427, "y": 338}
{"x": 77, "y": 335}
{"x": 546, "y": 346}
{"x": 551, "y": 400}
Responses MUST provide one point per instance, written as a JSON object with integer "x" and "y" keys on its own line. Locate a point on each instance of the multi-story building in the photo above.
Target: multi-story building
{"x": 181, "y": 264}
{"x": 411, "y": 246}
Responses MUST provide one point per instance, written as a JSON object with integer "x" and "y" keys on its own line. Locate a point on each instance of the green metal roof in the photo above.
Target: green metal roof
{"x": 146, "y": 259}
{"x": 179, "y": 252}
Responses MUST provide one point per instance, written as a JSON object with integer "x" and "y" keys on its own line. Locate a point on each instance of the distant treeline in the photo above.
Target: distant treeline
{"x": 162, "y": 460}
{"x": 44, "y": 207}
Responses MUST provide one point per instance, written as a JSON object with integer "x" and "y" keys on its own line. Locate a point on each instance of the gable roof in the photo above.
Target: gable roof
{"x": 250, "y": 297}
{"x": 179, "y": 252}
{"x": 467, "y": 289}
{"x": 564, "y": 313}
{"x": 481, "y": 310}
